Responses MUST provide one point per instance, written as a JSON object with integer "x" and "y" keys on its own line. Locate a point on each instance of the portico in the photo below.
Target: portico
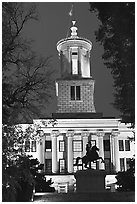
{"x": 74, "y": 135}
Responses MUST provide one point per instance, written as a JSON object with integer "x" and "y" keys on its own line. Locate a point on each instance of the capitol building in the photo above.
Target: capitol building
{"x": 77, "y": 121}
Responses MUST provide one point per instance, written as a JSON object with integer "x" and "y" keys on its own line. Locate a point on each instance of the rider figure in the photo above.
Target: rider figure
{"x": 88, "y": 147}
{"x": 88, "y": 151}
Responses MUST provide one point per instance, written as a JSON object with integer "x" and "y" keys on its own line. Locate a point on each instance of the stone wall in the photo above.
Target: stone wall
{"x": 85, "y": 104}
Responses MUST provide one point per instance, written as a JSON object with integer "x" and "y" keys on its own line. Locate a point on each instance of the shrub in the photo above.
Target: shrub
{"x": 126, "y": 179}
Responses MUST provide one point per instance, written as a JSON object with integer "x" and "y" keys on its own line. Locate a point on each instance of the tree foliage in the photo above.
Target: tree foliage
{"x": 21, "y": 173}
{"x": 26, "y": 78}
{"x": 17, "y": 181}
{"x": 126, "y": 179}
{"x": 13, "y": 138}
{"x": 117, "y": 34}
{"x": 21, "y": 178}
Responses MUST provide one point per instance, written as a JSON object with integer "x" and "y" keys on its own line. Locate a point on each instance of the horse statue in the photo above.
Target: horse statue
{"x": 91, "y": 156}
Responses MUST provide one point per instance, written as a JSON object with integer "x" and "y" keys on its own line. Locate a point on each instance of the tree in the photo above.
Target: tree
{"x": 17, "y": 181}
{"x": 14, "y": 160}
{"x": 13, "y": 138}
{"x": 27, "y": 79}
{"x": 15, "y": 165}
{"x": 117, "y": 35}
{"x": 26, "y": 85}
{"x": 20, "y": 178}
{"x": 126, "y": 179}
{"x": 20, "y": 173}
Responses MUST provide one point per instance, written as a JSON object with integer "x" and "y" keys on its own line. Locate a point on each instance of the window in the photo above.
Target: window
{"x": 106, "y": 145}
{"x": 48, "y": 165}
{"x": 80, "y": 165}
{"x": 27, "y": 146}
{"x": 127, "y": 163}
{"x": 74, "y": 53}
{"x": 127, "y": 145}
{"x": 62, "y": 165}
{"x": 122, "y": 165}
{"x": 33, "y": 146}
{"x": 77, "y": 145}
{"x": 48, "y": 146}
{"x": 75, "y": 93}
{"x": 107, "y": 164}
{"x": 72, "y": 92}
{"x": 62, "y": 146}
{"x": 74, "y": 61}
{"x": 121, "y": 145}
{"x": 74, "y": 65}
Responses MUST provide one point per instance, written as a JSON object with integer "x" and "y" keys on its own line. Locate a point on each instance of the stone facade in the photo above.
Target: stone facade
{"x": 86, "y": 102}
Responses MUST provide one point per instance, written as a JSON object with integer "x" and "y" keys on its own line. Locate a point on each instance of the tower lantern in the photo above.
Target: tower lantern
{"x": 74, "y": 55}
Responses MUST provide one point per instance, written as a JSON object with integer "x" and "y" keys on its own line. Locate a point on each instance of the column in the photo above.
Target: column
{"x": 40, "y": 149}
{"x": 70, "y": 151}
{"x": 43, "y": 147}
{"x": 111, "y": 152}
{"x": 54, "y": 152}
{"x": 79, "y": 62}
{"x": 100, "y": 135}
{"x": 115, "y": 145}
{"x": 88, "y": 61}
{"x": 69, "y": 60}
{"x": 61, "y": 61}
{"x": 85, "y": 135}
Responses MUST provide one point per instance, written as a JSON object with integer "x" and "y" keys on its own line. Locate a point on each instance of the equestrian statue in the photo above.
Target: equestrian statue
{"x": 91, "y": 156}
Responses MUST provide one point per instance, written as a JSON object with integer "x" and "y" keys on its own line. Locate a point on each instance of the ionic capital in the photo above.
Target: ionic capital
{"x": 85, "y": 133}
{"x": 114, "y": 133}
{"x": 55, "y": 133}
{"x": 100, "y": 133}
{"x": 70, "y": 133}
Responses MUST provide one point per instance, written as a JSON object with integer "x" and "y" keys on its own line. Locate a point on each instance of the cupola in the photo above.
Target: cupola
{"x": 74, "y": 52}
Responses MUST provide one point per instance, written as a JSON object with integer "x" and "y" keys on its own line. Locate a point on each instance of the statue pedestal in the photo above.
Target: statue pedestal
{"x": 90, "y": 180}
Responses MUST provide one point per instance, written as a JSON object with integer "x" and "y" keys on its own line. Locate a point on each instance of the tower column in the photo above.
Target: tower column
{"x": 70, "y": 151}
{"x": 115, "y": 151}
{"x": 61, "y": 60}
{"x": 100, "y": 135}
{"x": 79, "y": 61}
{"x": 85, "y": 135}
{"x": 54, "y": 152}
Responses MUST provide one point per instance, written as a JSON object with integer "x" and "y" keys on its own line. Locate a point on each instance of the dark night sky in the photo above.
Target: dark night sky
{"x": 52, "y": 26}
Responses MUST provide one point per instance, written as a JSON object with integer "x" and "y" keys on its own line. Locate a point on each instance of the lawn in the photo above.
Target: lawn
{"x": 86, "y": 197}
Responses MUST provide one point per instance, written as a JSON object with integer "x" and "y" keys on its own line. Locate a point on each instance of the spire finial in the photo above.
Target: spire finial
{"x": 73, "y": 22}
{"x": 74, "y": 30}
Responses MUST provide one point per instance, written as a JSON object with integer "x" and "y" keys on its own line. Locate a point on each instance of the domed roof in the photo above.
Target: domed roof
{"x": 74, "y": 40}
